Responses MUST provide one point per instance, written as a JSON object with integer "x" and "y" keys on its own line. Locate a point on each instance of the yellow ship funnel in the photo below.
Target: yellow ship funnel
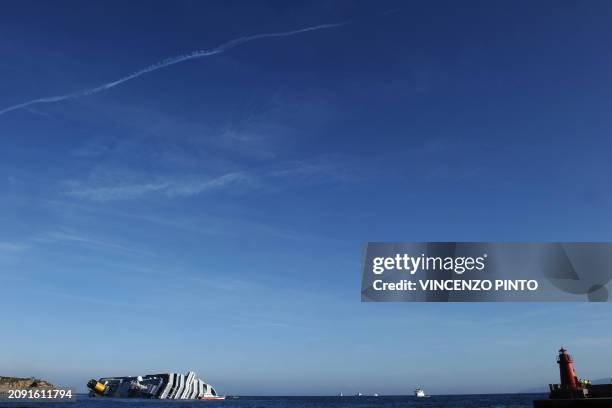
{"x": 96, "y": 386}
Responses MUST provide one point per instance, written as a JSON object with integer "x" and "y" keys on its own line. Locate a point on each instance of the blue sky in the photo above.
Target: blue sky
{"x": 210, "y": 215}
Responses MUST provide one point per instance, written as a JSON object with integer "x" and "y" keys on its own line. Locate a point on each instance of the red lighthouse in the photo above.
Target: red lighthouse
{"x": 573, "y": 392}
{"x": 569, "y": 379}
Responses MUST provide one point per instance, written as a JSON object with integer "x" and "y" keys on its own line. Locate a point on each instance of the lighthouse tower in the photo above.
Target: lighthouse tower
{"x": 569, "y": 379}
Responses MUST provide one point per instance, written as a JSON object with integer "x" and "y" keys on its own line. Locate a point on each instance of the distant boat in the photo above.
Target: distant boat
{"x": 419, "y": 393}
{"x": 359, "y": 394}
{"x": 375, "y": 394}
{"x": 341, "y": 395}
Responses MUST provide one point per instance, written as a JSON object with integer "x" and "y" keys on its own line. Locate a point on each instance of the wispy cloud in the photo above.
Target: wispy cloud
{"x": 99, "y": 301}
{"x": 204, "y": 224}
{"x": 208, "y": 225}
{"x": 128, "y": 186}
{"x": 166, "y": 63}
{"x": 259, "y": 322}
{"x": 318, "y": 170}
{"x": 73, "y": 238}
{"x": 227, "y": 284}
{"x": 12, "y": 247}
{"x": 257, "y": 325}
{"x": 170, "y": 187}
{"x": 91, "y": 149}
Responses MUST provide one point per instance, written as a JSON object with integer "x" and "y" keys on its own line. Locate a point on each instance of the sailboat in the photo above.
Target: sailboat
{"x": 419, "y": 393}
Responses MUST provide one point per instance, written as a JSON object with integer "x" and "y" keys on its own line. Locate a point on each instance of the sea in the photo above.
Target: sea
{"x": 441, "y": 401}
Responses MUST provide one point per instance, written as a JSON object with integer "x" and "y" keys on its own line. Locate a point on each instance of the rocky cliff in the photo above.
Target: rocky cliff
{"x": 12, "y": 383}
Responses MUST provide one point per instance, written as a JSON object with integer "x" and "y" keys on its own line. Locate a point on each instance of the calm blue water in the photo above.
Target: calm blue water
{"x": 447, "y": 401}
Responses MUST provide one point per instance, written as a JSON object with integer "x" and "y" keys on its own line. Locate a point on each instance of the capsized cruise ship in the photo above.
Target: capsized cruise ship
{"x": 154, "y": 386}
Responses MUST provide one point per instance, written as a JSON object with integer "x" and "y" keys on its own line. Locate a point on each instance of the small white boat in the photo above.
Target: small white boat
{"x": 375, "y": 395}
{"x": 419, "y": 393}
{"x": 212, "y": 397}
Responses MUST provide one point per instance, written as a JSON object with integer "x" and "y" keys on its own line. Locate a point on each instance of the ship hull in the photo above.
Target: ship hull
{"x": 154, "y": 386}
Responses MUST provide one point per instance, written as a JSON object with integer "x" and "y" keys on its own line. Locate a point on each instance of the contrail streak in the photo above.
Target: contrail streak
{"x": 166, "y": 63}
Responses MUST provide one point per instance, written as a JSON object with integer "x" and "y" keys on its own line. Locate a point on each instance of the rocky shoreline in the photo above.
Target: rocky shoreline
{"x": 14, "y": 383}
